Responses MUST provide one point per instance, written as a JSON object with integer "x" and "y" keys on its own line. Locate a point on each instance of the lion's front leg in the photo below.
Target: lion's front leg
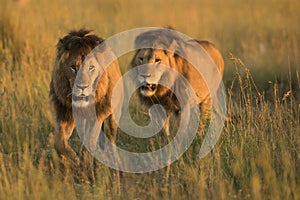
{"x": 161, "y": 117}
{"x": 113, "y": 128}
{"x": 92, "y": 130}
{"x": 166, "y": 127}
{"x": 63, "y": 132}
{"x": 205, "y": 116}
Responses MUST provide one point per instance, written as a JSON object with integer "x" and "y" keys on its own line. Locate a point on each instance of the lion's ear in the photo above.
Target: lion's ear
{"x": 173, "y": 47}
{"x": 61, "y": 41}
{"x": 61, "y": 44}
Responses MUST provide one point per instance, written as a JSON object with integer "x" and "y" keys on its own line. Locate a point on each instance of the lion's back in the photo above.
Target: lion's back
{"x": 212, "y": 58}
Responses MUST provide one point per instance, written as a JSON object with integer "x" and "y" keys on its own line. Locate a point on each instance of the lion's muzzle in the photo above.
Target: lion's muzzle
{"x": 80, "y": 96}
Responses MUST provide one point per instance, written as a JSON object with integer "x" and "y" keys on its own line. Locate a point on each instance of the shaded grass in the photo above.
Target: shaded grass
{"x": 257, "y": 156}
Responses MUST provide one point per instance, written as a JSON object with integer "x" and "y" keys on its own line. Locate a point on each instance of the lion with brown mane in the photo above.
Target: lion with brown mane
{"x": 165, "y": 47}
{"x": 74, "y": 57}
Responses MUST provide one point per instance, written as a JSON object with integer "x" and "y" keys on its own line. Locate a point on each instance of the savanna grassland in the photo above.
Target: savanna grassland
{"x": 258, "y": 153}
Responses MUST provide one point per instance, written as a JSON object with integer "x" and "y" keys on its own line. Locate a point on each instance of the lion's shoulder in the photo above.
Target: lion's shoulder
{"x": 212, "y": 51}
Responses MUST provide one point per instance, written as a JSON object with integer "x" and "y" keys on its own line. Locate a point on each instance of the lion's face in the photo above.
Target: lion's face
{"x": 86, "y": 83}
{"x": 71, "y": 67}
{"x": 153, "y": 73}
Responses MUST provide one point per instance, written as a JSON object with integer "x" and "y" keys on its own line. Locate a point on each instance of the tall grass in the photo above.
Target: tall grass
{"x": 257, "y": 156}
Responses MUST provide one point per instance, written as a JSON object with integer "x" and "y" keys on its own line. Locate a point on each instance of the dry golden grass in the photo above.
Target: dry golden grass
{"x": 258, "y": 154}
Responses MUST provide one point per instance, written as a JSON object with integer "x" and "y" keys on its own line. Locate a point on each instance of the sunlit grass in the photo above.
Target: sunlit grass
{"x": 257, "y": 156}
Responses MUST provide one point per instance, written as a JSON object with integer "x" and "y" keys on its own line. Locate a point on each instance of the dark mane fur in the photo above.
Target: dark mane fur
{"x": 78, "y": 42}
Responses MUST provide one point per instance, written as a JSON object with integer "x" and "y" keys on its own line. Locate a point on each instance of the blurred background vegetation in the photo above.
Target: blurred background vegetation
{"x": 257, "y": 156}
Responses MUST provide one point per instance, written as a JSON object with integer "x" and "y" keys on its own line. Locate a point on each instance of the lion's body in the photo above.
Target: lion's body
{"x": 195, "y": 78}
{"x": 164, "y": 48}
{"x": 71, "y": 52}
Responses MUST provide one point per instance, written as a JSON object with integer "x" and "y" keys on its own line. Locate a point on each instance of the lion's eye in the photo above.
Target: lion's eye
{"x": 157, "y": 60}
{"x": 73, "y": 68}
{"x": 140, "y": 59}
{"x": 91, "y": 68}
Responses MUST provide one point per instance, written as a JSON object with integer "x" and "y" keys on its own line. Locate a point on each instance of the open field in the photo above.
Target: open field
{"x": 258, "y": 153}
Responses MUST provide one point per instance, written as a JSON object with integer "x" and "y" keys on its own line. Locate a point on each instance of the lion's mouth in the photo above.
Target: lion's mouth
{"x": 148, "y": 89}
{"x": 80, "y": 98}
{"x": 148, "y": 86}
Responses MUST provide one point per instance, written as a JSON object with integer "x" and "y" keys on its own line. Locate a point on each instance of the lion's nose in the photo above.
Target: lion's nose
{"x": 82, "y": 87}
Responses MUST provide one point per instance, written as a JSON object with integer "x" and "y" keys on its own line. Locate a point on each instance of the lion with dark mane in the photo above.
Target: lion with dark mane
{"x": 71, "y": 60}
{"x": 165, "y": 47}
